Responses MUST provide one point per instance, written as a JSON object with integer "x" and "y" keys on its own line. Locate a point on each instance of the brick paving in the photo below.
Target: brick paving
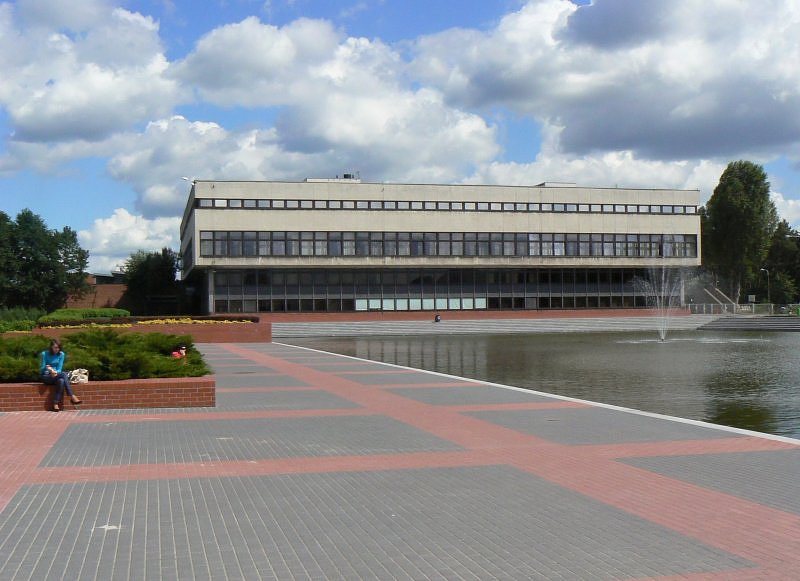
{"x": 318, "y": 466}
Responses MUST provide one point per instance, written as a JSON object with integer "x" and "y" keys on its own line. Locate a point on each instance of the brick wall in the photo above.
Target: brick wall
{"x": 124, "y": 394}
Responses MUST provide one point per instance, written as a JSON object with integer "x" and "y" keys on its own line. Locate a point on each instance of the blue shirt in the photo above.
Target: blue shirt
{"x": 54, "y": 361}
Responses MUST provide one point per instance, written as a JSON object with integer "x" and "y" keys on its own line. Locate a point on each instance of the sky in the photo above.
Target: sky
{"x": 107, "y": 105}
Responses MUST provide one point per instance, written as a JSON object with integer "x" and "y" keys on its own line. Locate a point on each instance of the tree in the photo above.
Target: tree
{"x": 41, "y": 267}
{"x": 151, "y": 280}
{"x": 740, "y": 219}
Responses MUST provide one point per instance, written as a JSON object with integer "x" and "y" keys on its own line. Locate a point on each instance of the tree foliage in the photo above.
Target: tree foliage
{"x": 39, "y": 267}
{"x": 151, "y": 280}
{"x": 739, "y": 220}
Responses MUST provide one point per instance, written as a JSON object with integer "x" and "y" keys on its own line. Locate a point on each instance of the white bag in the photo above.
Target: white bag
{"x": 79, "y": 376}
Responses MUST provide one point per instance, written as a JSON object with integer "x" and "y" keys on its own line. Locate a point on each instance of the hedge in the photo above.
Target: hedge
{"x": 107, "y": 355}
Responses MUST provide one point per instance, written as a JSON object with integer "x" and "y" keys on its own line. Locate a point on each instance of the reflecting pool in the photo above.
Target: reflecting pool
{"x": 746, "y": 380}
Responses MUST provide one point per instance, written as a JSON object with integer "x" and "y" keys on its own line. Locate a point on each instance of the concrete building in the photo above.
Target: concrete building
{"x": 333, "y": 245}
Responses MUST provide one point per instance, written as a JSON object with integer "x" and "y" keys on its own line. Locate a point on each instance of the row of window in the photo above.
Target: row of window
{"x": 252, "y": 244}
{"x": 248, "y": 204}
{"x": 278, "y": 290}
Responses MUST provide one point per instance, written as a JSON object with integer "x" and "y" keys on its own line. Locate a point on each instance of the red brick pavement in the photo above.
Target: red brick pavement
{"x": 768, "y": 537}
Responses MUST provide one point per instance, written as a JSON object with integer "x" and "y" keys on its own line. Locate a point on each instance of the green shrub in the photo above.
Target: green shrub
{"x": 81, "y": 314}
{"x": 106, "y": 354}
{"x": 20, "y": 325}
{"x": 19, "y": 314}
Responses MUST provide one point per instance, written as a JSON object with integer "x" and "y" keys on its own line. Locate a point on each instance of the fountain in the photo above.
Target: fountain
{"x": 662, "y": 290}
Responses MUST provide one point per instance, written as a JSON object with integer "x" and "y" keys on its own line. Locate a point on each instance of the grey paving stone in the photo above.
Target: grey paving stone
{"x": 257, "y": 380}
{"x": 758, "y": 476}
{"x": 596, "y": 425}
{"x": 459, "y": 523}
{"x": 400, "y": 377}
{"x": 98, "y": 444}
{"x": 471, "y": 395}
{"x": 282, "y": 400}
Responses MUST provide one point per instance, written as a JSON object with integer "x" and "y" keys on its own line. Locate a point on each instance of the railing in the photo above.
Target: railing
{"x": 733, "y": 309}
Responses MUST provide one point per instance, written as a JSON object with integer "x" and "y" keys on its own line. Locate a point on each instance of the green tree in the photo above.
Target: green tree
{"x": 740, "y": 219}
{"x": 44, "y": 266}
{"x": 152, "y": 284}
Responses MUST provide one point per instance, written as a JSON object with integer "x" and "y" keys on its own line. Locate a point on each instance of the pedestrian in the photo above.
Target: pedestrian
{"x": 52, "y": 372}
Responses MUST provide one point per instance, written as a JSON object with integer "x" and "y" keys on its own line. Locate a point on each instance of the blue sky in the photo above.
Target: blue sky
{"x": 107, "y": 104}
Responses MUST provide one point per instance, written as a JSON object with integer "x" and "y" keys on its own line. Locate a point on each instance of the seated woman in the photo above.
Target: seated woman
{"x": 52, "y": 372}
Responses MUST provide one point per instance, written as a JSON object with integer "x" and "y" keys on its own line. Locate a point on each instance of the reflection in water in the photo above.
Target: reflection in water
{"x": 744, "y": 380}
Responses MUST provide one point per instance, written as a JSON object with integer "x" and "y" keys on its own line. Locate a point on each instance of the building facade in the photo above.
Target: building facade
{"x": 340, "y": 245}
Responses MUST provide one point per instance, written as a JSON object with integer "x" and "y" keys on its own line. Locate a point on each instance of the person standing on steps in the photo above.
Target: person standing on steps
{"x": 52, "y": 372}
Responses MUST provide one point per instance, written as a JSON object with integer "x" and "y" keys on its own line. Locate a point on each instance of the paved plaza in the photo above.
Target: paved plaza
{"x": 319, "y": 466}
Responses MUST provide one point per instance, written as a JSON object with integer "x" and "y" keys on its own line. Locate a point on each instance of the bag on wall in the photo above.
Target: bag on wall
{"x": 79, "y": 376}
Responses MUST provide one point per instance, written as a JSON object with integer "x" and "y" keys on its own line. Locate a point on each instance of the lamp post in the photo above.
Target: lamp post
{"x": 769, "y": 300}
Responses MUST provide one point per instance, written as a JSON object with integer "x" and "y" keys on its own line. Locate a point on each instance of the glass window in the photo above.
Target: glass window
{"x": 644, "y": 208}
{"x": 597, "y": 244}
{"x": 442, "y": 205}
{"x": 520, "y": 207}
{"x": 678, "y": 209}
{"x": 278, "y": 204}
{"x": 619, "y": 208}
{"x": 558, "y": 207}
{"x": 483, "y": 207}
{"x": 250, "y": 244}
{"x": 390, "y": 205}
{"x": 205, "y": 203}
{"x": 416, "y": 205}
{"x": 206, "y": 243}
{"x": 666, "y": 209}
{"x": 293, "y": 243}
{"x": 572, "y": 207}
{"x": 220, "y": 203}
{"x": 403, "y": 205}
{"x": 632, "y": 209}
{"x": 547, "y": 207}
{"x": 559, "y": 246}
{"x": 534, "y": 248}
{"x": 293, "y": 204}
{"x": 508, "y": 207}
{"x": 583, "y": 207}
{"x": 320, "y": 204}
{"x": 278, "y": 243}
{"x": 533, "y": 207}
{"x": 376, "y": 205}
{"x": 362, "y": 205}
{"x": 469, "y": 206}
{"x": 249, "y": 203}
{"x": 495, "y": 206}
{"x": 264, "y": 203}
{"x": 608, "y": 208}
{"x": 430, "y": 205}
{"x": 220, "y": 244}
{"x": 456, "y": 206}
{"x": 595, "y": 208}
{"x": 655, "y": 209}
{"x": 348, "y": 205}
{"x": 306, "y": 204}
{"x": 334, "y": 204}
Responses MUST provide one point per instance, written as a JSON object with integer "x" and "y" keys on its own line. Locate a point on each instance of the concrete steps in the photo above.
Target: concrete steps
{"x": 485, "y": 326}
{"x": 754, "y": 323}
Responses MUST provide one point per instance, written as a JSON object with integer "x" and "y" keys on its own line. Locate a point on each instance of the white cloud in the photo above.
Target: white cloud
{"x": 112, "y": 240}
{"x": 684, "y": 79}
{"x": 60, "y": 87}
{"x": 788, "y": 209}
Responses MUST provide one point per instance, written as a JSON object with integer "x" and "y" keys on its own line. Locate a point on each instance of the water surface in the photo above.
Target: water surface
{"x": 745, "y": 380}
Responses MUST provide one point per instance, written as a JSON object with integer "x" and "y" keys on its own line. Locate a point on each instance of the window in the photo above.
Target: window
{"x": 234, "y": 203}
{"x": 292, "y": 204}
{"x": 205, "y": 203}
{"x": 264, "y": 203}
{"x": 442, "y": 205}
{"x": 547, "y": 207}
{"x": 206, "y": 243}
{"x": 430, "y": 205}
{"x": 334, "y": 204}
{"x": 249, "y": 204}
{"x": 403, "y": 205}
{"x": 320, "y": 204}
{"x": 250, "y": 244}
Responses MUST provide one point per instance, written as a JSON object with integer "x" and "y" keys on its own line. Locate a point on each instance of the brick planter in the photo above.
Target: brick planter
{"x": 123, "y": 394}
